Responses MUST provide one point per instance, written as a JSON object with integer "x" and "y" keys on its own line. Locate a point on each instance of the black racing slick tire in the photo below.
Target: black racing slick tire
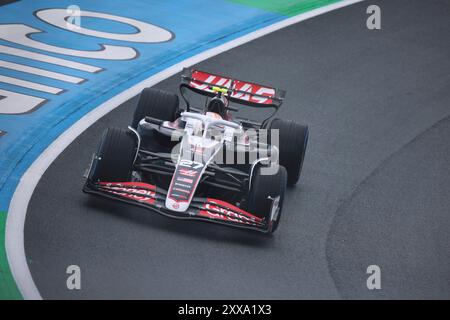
{"x": 293, "y": 140}
{"x": 157, "y": 104}
{"x": 264, "y": 189}
{"x": 114, "y": 159}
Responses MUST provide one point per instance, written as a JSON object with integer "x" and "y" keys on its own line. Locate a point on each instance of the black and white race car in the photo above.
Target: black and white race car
{"x": 203, "y": 163}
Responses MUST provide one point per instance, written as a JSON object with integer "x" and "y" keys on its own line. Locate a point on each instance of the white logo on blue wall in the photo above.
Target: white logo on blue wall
{"x": 66, "y": 19}
{"x": 147, "y": 33}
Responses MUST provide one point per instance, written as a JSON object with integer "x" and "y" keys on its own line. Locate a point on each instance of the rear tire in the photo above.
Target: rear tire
{"x": 263, "y": 187}
{"x": 157, "y": 104}
{"x": 115, "y": 157}
{"x": 293, "y": 140}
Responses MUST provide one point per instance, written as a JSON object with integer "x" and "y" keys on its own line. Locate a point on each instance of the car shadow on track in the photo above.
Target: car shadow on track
{"x": 195, "y": 229}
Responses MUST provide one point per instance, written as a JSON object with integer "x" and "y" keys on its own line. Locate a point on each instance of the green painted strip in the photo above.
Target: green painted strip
{"x": 8, "y": 288}
{"x": 286, "y": 7}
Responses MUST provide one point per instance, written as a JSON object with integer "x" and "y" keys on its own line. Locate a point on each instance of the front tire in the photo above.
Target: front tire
{"x": 157, "y": 104}
{"x": 293, "y": 140}
{"x": 115, "y": 156}
{"x": 265, "y": 188}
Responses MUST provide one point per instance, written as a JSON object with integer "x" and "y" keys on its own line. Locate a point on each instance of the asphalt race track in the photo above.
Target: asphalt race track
{"x": 374, "y": 188}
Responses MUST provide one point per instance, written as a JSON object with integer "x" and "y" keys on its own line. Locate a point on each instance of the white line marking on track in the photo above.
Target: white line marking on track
{"x": 24, "y": 103}
{"x": 30, "y": 85}
{"x": 19, "y": 204}
{"x": 40, "y": 72}
{"x": 48, "y": 59}
{"x": 19, "y": 33}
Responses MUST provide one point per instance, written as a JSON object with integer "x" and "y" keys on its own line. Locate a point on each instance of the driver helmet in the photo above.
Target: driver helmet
{"x": 218, "y": 105}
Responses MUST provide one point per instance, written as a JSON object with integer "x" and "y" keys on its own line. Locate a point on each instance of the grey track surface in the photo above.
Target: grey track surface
{"x": 374, "y": 188}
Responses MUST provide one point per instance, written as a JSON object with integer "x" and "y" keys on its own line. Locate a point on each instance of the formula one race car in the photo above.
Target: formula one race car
{"x": 203, "y": 163}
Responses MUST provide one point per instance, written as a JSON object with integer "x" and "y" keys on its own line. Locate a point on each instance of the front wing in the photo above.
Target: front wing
{"x": 152, "y": 197}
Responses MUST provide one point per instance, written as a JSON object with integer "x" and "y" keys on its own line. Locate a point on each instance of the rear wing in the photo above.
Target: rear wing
{"x": 237, "y": 91}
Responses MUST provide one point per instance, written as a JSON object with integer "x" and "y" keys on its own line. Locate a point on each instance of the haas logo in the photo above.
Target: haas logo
{"x": 247, "y": 91}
